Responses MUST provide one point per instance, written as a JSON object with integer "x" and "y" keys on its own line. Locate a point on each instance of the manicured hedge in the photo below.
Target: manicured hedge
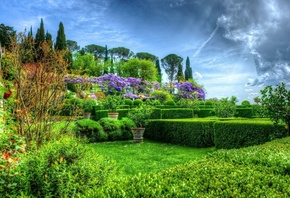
{"x": 177, "y": 113}
{"x": 104, "y": 113}
{"x": 225, "y": 173}
{"x": 205, "y": 112}
{"x": 244, "y": 112}
{"x": 241, "y": 133}
{"x": 182, "y": 132}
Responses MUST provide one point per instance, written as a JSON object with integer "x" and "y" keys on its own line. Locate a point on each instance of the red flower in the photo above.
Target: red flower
{"x": 7, "y": 95}
{"x": 6, "y": 155}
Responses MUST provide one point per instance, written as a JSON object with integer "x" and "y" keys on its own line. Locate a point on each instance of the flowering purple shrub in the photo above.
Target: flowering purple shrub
{"x": 130, "y": 95}
{"x": 187, "y": 90}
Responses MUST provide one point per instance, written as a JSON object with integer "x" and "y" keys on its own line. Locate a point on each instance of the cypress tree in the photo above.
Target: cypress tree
{"x": 60, "y": 43}
{"x": 157, "y": 64}
{"x": 106, "y": 54}
{"x": 188, "y": 70}
{"x": 40, "y": 35}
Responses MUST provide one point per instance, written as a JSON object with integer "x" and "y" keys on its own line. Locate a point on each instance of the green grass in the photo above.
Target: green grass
{"x": 149, "y": 156}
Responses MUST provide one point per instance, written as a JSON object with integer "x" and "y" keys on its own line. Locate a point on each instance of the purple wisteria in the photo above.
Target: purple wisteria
{"x": 187, "y": 90}
{"x": 111, "y": 83}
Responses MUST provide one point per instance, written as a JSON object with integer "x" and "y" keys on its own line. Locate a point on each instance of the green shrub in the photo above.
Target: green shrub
{"x": 156, "y": 114}
{"x": 128, "y": 102}
{"x": 112, "y": 127}
{"x": 71, "y": 106}
{"x": 123, "y": 107}
{"x": 126, "y": 125}
{"x": 259, "y": 111}
{"x": 237, "y": 134}
{"x": 91, "y": 129}
{"x": 162, "y": 96}
{"x": 64, "y": 168}
{"x": 73, "y": 87}
{"x": 246, "y": 103}
{"x": 137, "y": 102}
{"x": 209, "y": 103}
{"x": 244, "y": 112}
{"x": 169, "y": 102}
{"x": 100, "y": 114}
{"x": 176, "y": 113}
{"x": 224, "y": 108}
{"x": 182, "y": 132}
{"x": 155, "y": 102}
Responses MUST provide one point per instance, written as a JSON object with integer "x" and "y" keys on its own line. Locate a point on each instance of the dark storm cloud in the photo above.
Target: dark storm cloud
{"x": 263, "y": 25}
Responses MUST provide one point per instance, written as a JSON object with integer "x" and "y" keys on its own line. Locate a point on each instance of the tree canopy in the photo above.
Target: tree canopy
{"x": 145, "y": 56}
{"x": 72, "y": 45}
{"x": 6, "y": 34}
{"x": 97, "y": 50}
{"x": 170, "y": 64}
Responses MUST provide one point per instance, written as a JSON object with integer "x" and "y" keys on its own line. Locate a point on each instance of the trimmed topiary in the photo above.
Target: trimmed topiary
{"x": 91, "y": 129}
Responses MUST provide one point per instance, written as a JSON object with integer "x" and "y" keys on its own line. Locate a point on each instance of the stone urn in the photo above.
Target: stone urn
{"x": 137, "y": 134}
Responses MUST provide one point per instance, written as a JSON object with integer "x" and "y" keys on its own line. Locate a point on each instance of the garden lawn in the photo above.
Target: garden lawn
{"x": 149, "y": 156}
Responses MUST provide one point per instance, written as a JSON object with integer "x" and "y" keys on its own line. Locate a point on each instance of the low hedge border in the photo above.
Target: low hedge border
{"x": 242, "y": 133}
{"x": 182, "y": 132}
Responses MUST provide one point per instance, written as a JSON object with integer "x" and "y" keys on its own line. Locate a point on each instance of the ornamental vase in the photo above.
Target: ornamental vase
{"x": 137, "y": 134}
{"x": 113, "y": 115}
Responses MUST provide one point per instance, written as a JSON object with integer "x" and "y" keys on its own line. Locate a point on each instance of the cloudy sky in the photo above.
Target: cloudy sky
{"x": 236, "y": 47}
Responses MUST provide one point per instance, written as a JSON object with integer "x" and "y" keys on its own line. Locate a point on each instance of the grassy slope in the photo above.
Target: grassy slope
{"x": 148, "y": 156}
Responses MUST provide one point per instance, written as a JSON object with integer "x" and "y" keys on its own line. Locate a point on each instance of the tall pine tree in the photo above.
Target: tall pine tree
{"x": 60, "y": 43}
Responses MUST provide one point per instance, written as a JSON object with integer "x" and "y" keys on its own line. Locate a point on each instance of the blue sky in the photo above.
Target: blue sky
{"x": 236, "y": 47}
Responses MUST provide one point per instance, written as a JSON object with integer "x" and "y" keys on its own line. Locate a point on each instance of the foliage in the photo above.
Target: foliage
{"x": 246, "y": 103}
{"x": 96, "y": 50}
{"x": 182, "y": 132}
{"x": 64, "y": 168}
{"x": 60, "y": 43}
{"x": 170, "y": 64}
{"x": 117, "y": 129}
{"x": 145, "y": 56}
{"x": 176, "y": 113}
{"x": 120, "y": 53}
{"x": 222, "y": 174}
{"x": 159, "y": 74}
{"x": 143, "y": 69}
{"x": 188, "y": 70}
{"x": 236, "y": 134}
{"x": 137, "y": 102}
{"x": 128, "y": 102}
{"x": 88, "y": 104}
{"x": 7, "y": 33}
{"x": 72, "y": 45}
{"x": 39, "y": 90}
{"x": 277, "y": 102}
{"x": 169, "y": 102}
{"x": 224, "y": 108}
{"x": 259, "y": 111}
{"x": 188, "y": 90}
{"x": 112, "y": 102}
{"x": 244, "y": 112}
{"x": 86, "y": 64}
{"x": 180, "y": 75}
{"x": 161, "y": 95}
{"x": 140, "y": 114}
{"x": 90, "y": 129}
{"x": 12, "y": 148}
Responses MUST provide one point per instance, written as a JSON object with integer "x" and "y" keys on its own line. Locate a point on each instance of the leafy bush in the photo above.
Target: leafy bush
{"x": 162, "y": 96}
{"x": 259, "y": 111}
{"x": 71, "y": 106}
{"x": 100, "y": 95}
{"x": 246, "y": 103}
{"x": 140, "y": 115}
{"x": 111, "y": 128}
{"x": 224, "y": 108}
{"x": 91, "y": 129}
{"x": 88, "y": 105}
{"x": 126, "y": 126}
{"x": 128, "y": 102}
{"x": 137, "y": 102}
{"x": 237, "y": 134}
{"x": 182, "y": 132}
{"x": 169, "y": 102}
{"x": 64, "y": 168}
